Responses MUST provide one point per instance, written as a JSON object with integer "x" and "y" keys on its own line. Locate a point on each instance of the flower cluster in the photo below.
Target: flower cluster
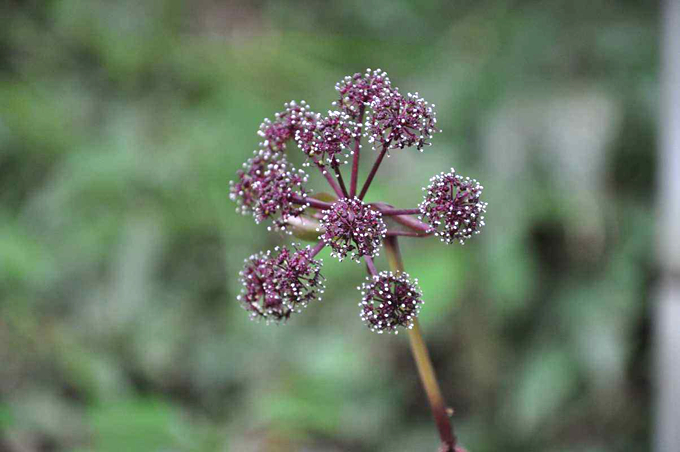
{"x": 286, "y": 123}
{"x": 398, "y": 122}
{"x": 328, "y": 139}
{"x": 352, "y": 228}
{"x": 280, "y": 283}
{"x": 389, "y": 301}
{"x": 359, "y": 90}
{"x": 267, "y": 186}
{"x": 277, "y": 283}
{"x": 452, "y": 207}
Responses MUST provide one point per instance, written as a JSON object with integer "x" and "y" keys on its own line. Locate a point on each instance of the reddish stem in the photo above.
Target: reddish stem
{"x": 317, "y": 248}
{"x": 312, "y": 202}
{"x": 406, "y": 234}
{"x": 388, "y": 211}
{"x": 355, "y": 159}
{"x": 370, "y": 266}
{"x": 329, "y": 178}
{"x": 412, "y": 223}
{"x": 404, "y": 219}
{"x": 424, "y": 363}
{"x": 374, "y": 170}
{"x": 341, "y": 181}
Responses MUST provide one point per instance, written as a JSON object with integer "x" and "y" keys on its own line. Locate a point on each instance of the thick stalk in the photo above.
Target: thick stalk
{"x": 374, "y": 170}
{"x": 423, "y": 362}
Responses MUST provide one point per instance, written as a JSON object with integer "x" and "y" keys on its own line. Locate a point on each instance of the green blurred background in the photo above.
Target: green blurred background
{"x": 121, "y": 124}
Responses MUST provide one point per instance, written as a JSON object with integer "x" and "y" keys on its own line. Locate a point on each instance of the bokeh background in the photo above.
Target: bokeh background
{"x": 121, "y": 124}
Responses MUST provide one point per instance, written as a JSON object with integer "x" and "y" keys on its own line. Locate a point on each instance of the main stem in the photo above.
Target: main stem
{"x": 424, "y": 363}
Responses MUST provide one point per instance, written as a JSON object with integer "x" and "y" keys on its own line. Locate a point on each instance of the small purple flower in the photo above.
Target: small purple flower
{"x": 276, "y": 133}
{"x": 398, "y": 122}
{"x": 277, "y": 284}
{"x": 352, "y": 228}
{"x": 359, "y": 90}
{"x": 329, "y": 139}
{"x": 389, "y": 301}
{"x": 452, "y": 207}
{"x": 266, "y": 187}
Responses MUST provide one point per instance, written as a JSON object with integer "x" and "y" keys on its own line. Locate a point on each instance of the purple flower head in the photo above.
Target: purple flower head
{"x": 389, "y": 301}
{"x": 329, "y": 140}
{"x": 267, "y": 186}
{"x": 352, "y": 228}
{"x": 277, "y": 284}
{"x": 398, "y": 122}
{"x": 452, "y": 207}
{"x": 276, "y": 133}
{"x": 359, "y": 90}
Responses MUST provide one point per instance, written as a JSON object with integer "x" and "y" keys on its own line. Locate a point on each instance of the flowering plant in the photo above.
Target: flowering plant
{"x": 279, "y": 283}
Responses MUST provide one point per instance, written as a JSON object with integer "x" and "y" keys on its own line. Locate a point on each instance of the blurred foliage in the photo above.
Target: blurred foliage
{"x": 121, "y": 124}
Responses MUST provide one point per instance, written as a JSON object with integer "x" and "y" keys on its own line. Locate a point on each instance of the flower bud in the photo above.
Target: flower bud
{"x": 266, "y": 188}
{"x": 390, "y": 301}
{"x": 452, "y": 207}
{"x": 276, "y": 284}
{"x": 353, "y": 228}
{"x": 358, "y": 91}
{"x": 329, "y": 140}
{"x": 398, "y": 122}
{"x": 278, "y": 132}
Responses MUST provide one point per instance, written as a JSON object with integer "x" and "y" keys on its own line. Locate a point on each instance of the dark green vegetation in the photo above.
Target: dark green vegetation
{"x": 121, "y": 124}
